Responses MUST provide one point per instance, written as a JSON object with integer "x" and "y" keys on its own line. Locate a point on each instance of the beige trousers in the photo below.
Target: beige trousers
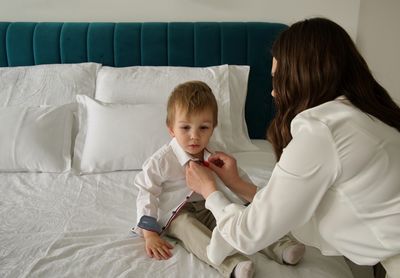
{"x": 193, "y": 228}
{"x": 392, "y": 266}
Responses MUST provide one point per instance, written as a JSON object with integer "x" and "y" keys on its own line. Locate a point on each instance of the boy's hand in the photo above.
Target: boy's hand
{"x": 156, "y": 247}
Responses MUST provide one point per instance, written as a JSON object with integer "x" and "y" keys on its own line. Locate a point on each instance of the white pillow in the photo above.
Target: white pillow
{"x": 36, "y": 139}
{"x": 117, "y": 136}
{"x": 52, "y": 84}
{"x": 150, "y": 84}
{"x": 238, "y": 78}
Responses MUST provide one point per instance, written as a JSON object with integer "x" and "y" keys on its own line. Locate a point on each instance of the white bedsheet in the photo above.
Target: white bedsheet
{"x": 63, "y": 225}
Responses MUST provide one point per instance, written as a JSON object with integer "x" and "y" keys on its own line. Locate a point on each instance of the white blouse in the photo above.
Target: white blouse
{"x": 336, "y": 187}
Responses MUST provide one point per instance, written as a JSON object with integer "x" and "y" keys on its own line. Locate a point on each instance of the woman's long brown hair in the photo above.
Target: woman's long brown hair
{"x": 317, "y": 61}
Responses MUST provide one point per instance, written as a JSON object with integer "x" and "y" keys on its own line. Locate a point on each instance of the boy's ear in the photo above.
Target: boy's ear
{"x": 171, "y": 131}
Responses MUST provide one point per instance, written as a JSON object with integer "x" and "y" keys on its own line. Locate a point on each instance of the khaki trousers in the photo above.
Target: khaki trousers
{"x": 392, "y": 266}
{"x": 193, "y": 228}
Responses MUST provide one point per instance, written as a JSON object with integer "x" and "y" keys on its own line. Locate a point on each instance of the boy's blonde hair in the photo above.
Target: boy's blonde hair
{"x": 192, "y": 97}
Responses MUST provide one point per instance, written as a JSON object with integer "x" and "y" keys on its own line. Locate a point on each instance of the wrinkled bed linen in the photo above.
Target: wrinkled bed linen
{"x": 63, "y": 225}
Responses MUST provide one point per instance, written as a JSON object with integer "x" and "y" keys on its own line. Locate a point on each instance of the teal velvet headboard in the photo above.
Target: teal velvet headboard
{"x": 196, "y": 44}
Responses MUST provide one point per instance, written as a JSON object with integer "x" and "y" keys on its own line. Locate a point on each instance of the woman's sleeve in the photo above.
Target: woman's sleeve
{"x": 309, "y": 165}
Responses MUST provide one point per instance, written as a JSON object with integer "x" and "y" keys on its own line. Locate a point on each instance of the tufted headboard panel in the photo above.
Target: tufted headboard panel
{"x": 195, "y": 44}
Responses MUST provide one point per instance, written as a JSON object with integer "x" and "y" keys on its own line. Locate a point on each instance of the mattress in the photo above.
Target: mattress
{"x": 68, "y": 225}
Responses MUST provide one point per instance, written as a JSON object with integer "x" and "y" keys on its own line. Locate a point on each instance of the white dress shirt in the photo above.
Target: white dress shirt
{"x": 336, "y": 187}
{"x": 162, "y": 185}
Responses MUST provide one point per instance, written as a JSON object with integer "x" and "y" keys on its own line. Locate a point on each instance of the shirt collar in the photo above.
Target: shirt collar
{"x": 182, "y": 156}
{"x": 343, "y": 99}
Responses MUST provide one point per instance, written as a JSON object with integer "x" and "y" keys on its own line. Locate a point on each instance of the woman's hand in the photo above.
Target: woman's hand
{"x": 156, "y": 247}
{"x": 200, "y": 179}
{"x": 225, "y": 167}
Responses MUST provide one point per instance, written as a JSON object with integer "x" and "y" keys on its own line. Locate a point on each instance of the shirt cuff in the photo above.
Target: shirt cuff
{"x": 149, "y": 223}
{"x": 216, "y": 203}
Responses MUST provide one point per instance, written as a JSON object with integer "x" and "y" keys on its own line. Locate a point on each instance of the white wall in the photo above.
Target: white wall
{"x": 379, "y": 41}
{"x": 344, "y": 12}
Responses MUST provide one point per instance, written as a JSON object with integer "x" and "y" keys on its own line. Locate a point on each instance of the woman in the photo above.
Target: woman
{"x": 336, "y": 136}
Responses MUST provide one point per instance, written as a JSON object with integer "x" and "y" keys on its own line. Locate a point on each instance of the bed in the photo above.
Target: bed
{"x": 81, "y": 108}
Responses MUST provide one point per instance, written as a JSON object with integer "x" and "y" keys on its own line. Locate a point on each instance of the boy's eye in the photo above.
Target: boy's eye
{"x": 185, "y": 127}
{"x": 205, "y": 127}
